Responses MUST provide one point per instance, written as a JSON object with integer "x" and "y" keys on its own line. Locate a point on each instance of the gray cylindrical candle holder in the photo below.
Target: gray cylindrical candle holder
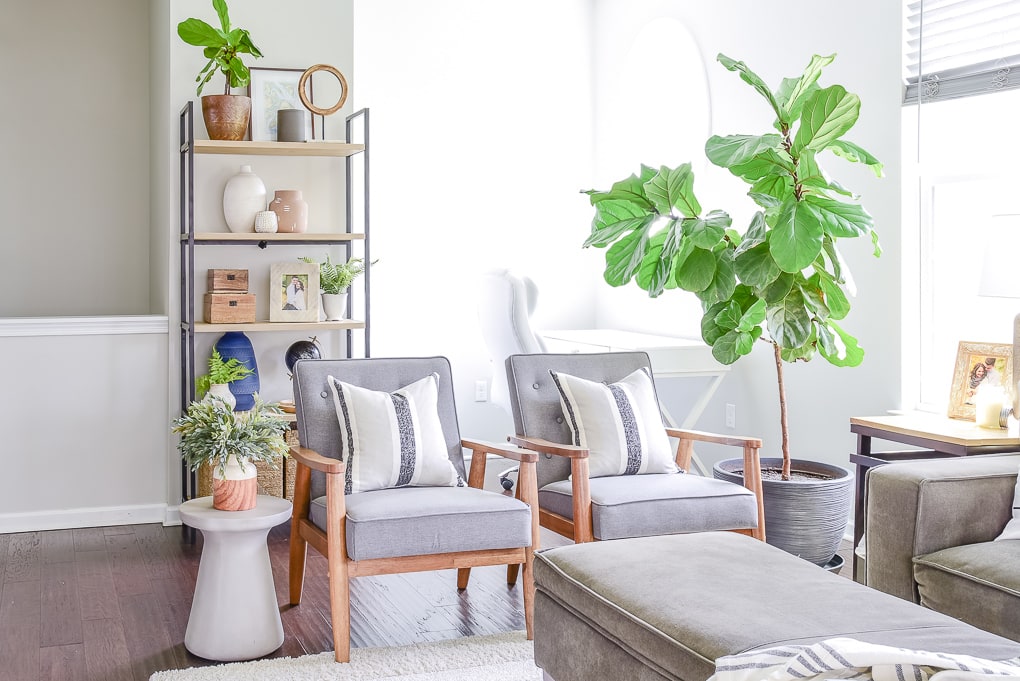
{"x": 290, "y": 125}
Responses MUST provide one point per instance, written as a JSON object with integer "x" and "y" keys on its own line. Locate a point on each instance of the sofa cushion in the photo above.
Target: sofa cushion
{"x": 667, "y": 503}
{"x": 1012, "y": 529}
{"x": 977, "y": 583}
{"x": 677, "y": 603}
{"x": 415, "y": 521}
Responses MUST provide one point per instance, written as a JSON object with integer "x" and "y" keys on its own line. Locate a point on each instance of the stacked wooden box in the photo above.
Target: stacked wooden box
{"x": 227, "y": 300}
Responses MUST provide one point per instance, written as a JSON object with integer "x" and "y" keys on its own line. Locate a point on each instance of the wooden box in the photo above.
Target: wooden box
{"x": 227, "y": 281}
{"x": 229, "y": 308}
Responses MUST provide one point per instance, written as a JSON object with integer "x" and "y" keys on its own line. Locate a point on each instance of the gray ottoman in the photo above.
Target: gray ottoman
{"x": 667, "y": 607}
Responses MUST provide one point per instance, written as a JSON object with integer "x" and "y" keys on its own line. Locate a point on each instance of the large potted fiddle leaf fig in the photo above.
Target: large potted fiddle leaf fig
{"x": 781, "y": 280}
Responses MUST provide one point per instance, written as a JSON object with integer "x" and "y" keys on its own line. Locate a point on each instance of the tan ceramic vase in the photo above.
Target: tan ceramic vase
{"x": 291, "y": 210}
{"x": 226, "y": 116}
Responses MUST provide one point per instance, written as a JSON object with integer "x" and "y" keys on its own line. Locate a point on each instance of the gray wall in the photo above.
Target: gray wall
{"x": 74, "y": 175}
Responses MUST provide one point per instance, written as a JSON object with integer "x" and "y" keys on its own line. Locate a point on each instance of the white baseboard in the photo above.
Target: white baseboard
{"x": 84, "y": 517}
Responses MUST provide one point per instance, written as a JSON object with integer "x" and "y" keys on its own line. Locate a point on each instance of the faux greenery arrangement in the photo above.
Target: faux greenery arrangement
{"x": 782, "y": 281}
{"x": 336, "y": 278}
{"x": 222, "y": 47}
{"x": 211, "y": 433}
{"x": 221, "y": 372}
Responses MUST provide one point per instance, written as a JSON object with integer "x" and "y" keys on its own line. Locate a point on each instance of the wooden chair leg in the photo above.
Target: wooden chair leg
{"x": 463, "y": 575}
{"x": 298, "y": 545}
{"x": 529, "y": 594}
{"x": 339, "y": 580}
{"x": 512, "y": 570}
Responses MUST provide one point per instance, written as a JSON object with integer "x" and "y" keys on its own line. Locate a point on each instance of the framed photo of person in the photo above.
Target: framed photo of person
{"x": 294, "y": 292}
{"x": 977, "y": 365}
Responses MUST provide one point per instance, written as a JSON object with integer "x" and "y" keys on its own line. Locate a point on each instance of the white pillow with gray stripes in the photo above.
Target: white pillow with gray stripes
{"x": 1012, "y": 529}
{"x": 392, "y": 439}
{"x": 619, "y": 424}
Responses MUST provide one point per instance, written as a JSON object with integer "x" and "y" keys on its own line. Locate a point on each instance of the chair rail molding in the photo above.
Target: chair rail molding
{"x": 83, "y": 326}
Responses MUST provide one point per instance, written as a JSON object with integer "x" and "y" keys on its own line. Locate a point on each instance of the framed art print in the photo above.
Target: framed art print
{"x": 271, "y": 90}
{"x": 294, "y": 292}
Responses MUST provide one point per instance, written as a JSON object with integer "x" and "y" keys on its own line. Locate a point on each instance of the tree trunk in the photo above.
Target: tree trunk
{"x": 784, "y": 424}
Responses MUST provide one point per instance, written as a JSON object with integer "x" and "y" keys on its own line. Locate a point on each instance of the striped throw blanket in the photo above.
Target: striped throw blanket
{"x": 846, "y": 658}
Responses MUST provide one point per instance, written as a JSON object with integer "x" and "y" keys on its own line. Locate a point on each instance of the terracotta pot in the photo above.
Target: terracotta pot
{"x": 226, "y": 116}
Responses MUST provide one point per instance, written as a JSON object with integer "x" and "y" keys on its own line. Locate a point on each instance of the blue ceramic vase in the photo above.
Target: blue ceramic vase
{"x": 235, "y": 345}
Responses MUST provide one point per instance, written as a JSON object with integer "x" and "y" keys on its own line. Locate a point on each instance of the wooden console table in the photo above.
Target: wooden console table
{"x": 938, "y": 436}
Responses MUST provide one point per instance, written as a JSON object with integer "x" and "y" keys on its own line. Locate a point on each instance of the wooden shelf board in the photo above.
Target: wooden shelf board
{"x": 203, "y": 327}
{"x": 339, "y": 149}
{"x": 277, "y": 237}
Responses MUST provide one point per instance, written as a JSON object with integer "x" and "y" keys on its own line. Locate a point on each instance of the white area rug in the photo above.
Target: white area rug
{"x": 501, "y": 657}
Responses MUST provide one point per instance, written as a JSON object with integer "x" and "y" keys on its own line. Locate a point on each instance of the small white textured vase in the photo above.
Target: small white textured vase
{"x": 243, "y": 197}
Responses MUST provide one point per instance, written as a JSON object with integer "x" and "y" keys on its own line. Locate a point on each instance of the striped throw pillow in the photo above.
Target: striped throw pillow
{"x": 619, "y": 424}
{"x": 392, "y": 439}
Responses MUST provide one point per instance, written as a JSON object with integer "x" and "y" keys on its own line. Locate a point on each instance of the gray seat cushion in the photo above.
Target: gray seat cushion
{"x": 667, "y": 607}
{"x": 647, "y": 505}
{"x": 977, "y": 583}
{"x": 415, "y": 521}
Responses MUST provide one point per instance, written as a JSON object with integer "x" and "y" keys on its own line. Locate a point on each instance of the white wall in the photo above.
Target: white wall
{"x": 481, "y": 140}
{"x": 776, "y": 40}
{"x": 82, "y": 410}
{"x": 74, "y": 175}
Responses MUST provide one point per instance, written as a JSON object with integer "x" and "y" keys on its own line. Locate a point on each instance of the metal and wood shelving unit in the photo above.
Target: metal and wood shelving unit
{"x": 190, "y": 239}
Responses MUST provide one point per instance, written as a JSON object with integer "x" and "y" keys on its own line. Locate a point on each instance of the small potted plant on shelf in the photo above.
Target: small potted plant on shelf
{"x": 334, "y": 280}
{"x": 216, "y": 383}
{"x": 231, "y": 442}
{"x": 226, "y": 116}
{"x": 782, "y": 281}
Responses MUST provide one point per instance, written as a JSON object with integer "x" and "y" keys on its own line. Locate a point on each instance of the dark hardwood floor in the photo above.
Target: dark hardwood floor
{"x": 112, "y": 604}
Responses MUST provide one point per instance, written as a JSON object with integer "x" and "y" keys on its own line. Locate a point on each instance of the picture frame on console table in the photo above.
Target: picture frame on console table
{"x": 294, "y": 292}
{"x": 271, "y": 90}
{"x": 978, "y": 364}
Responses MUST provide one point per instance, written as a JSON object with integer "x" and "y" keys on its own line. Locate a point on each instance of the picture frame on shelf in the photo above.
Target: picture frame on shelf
{"x": 294, "y": 292}
{"x": 978, "y": 364}
{"x": 270, "y": 90}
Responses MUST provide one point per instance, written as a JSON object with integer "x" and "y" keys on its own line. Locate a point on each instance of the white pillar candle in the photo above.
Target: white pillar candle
{"x": 988, "y": 403}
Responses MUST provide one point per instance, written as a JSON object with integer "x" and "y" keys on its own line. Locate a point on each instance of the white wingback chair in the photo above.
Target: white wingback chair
{"x": 505, "y": 305}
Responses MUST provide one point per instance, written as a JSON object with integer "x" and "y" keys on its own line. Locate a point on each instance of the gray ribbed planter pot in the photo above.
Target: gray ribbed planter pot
{"x": 804, "y": 517}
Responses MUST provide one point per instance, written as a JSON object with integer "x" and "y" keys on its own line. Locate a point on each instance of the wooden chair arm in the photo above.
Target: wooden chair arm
{"x": 699, "y": 436}
{"x": 316, "y": 461}
{"x": 547, "y": 447}
{"x": 520, "y": 455}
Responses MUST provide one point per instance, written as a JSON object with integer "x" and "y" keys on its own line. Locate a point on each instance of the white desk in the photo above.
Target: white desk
{"x": 671, "y": 358}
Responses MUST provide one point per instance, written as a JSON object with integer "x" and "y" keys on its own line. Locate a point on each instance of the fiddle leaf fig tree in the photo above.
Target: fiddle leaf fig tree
{"x": 782, "y": 280}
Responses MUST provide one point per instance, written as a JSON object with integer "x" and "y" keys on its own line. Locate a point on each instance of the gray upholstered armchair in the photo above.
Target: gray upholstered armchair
{"x": 407, "y": 526}
{"x": 617, "y": 506}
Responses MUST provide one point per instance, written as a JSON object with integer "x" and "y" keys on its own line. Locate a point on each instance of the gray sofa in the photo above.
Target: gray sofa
{"x": 928, "y": 538}
{"x": 654, "y": 608}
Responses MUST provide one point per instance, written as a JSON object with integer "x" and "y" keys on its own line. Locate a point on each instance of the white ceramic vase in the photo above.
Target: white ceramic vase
{"x": 222, "y": 391}
{"x": 334, "y": 306}
{"x": 243, "y": 197}
{"x": 236, "y": 488}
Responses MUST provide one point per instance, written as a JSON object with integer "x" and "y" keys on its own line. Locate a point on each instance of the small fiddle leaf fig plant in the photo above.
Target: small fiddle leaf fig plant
{"x": 222, "y": 47}
{"x": 782, "y": 280}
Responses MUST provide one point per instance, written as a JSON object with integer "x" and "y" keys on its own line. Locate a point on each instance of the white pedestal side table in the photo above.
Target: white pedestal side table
{"x": 234, "y": 615}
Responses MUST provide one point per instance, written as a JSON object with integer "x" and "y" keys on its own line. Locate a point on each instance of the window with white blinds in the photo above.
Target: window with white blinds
{"x": 961, "y": 48}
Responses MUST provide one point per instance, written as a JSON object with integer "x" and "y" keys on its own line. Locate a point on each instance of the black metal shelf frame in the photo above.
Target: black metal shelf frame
{"x": 188, "y": 243}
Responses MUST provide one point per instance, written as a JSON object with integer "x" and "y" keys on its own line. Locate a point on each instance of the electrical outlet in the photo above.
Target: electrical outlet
{"x": 731, "y": 416}
{"x": 481, "y": 391}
